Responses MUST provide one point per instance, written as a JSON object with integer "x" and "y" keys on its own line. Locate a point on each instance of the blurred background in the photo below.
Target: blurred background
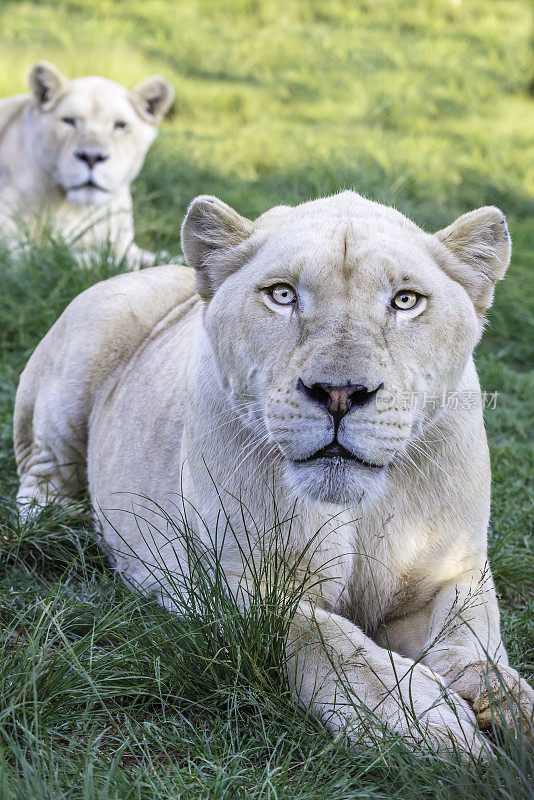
{"x": 422, "y": 104}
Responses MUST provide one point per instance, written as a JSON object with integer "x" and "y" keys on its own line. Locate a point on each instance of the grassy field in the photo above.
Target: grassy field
{"x": 424, "y": 105}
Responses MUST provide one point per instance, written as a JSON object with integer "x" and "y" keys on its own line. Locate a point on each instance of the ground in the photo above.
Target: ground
{"x": 424, "y": 105}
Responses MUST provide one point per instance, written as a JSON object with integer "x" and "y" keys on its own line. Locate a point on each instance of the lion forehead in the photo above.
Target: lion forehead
{"x": 344, "y": 247}
{"x": 96, "y": 98}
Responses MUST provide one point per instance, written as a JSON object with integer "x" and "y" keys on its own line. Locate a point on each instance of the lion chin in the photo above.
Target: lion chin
{"x": 88, "y": 195}
{"x": 339, "y": 481}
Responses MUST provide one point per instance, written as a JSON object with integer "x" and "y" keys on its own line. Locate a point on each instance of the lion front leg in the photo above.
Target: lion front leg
{"x": 350, "y": 683}
{"x": 49, "y": 429}
{"x": 51, "y": 464}
{"x": 464, "y": 645}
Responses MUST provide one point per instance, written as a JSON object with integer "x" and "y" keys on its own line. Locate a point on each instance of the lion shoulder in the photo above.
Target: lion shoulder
{"x": 96, "y": 336}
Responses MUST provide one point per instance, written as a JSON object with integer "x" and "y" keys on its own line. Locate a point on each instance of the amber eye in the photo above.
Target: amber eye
{"x": 69, "y": 121}
{"x": 119, "y": 125}
{"x": 282, "y": 294}
{"x": 405, "y": 300}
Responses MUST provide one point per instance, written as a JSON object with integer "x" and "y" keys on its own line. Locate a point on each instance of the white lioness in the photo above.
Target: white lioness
{"x": 69, "y": 152}
{"x": 296, "y": 360}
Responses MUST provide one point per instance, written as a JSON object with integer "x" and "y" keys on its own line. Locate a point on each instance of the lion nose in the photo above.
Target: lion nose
{"x": 338, "y": 400}
{"x": 91, "y": 158}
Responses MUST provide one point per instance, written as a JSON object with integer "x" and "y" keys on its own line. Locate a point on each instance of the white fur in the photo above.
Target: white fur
{"x": 144, "y": 386}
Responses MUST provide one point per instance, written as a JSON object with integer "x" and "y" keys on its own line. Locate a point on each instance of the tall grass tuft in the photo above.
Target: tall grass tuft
{"x": 102, "y": 687}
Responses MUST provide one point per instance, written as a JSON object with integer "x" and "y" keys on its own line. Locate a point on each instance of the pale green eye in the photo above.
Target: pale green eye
{"x": 404, "y": 301}
{"x": 282, "y": 294}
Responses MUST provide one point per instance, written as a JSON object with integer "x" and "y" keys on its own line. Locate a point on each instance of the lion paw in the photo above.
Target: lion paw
{"x": 505, "y": 700}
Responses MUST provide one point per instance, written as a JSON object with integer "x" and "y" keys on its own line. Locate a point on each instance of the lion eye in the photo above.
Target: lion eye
{"x": 69, "y": 121}
{"x": 282, "y": 294}
{"x": 404, "y": 301}
{"x": 119, "y": 125}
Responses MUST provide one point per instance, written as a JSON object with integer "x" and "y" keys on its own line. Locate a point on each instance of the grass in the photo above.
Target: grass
{"x": 423, "y": 105}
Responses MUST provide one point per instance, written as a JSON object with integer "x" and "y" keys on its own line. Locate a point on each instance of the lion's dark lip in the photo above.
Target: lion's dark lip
{"x": 336, "y": 451}
{"x": 88, "y": 185}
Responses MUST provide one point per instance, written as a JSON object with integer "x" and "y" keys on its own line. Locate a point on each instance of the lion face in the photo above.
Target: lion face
{"x": 332, "y": 326}
{"x": 92, "y": 134}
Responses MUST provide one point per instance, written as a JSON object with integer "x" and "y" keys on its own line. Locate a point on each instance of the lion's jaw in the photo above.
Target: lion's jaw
{"x": 94, "y": 119}
{"x": 346, "y": 258}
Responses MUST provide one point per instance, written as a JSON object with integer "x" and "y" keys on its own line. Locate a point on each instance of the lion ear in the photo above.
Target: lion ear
{"x": 46, "y": 83}
{"x": 215, "y": 241}
{"x": 153, "y": 98}
{"x": 481, "y": 243}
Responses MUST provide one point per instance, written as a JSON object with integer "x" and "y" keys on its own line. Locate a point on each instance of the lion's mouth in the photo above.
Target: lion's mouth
{"x": 336, "y": 452}
{"x": 90, "y": 184}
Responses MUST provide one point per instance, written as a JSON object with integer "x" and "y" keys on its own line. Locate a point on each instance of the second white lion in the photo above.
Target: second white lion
{"x": 69, "y": 152}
